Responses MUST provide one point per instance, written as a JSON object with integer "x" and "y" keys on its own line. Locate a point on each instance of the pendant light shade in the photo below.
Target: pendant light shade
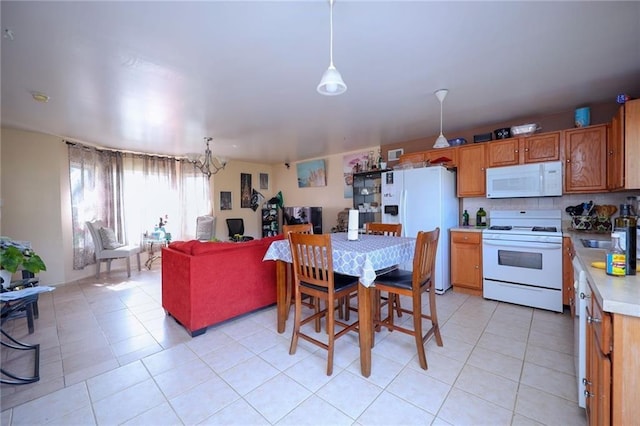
{"x": 441, "y": 142}
{"x": 331, "y": 83}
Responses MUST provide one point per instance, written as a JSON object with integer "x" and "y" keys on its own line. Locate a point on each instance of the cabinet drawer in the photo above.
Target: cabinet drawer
{"x": 466, "y": 237}
{"x": 601, "y": 326}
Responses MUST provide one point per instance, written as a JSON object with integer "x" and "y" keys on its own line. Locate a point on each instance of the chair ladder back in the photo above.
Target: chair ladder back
{"x": 300, "y": 228}
{"x": 312, "y": 260}
{"x": 389, "y": 229}
{"x": 424, "y": 259}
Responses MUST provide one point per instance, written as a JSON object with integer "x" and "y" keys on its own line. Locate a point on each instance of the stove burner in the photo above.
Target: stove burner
{"x": 544, "y": 229}
{"x": 500, "y": 228}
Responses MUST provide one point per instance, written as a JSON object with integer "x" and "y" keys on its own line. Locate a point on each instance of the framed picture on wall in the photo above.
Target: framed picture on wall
{"x": 245, "y": 190}
{"x": 264, "y": 181}
{"x": 225, "y": 200}
{"x": 311, "y": 173}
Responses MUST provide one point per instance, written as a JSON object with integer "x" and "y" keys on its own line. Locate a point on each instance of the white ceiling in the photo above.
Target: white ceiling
{"x": 159, "y": 76}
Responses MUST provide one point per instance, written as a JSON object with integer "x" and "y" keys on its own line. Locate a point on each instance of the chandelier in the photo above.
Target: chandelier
{"x": 210, "y": 165}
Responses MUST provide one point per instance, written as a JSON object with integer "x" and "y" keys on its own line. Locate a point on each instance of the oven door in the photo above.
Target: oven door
{"x": 523, "y": 262}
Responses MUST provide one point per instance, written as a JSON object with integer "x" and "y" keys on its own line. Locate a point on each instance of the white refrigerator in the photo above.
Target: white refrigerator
{"x": 421, "y": 200}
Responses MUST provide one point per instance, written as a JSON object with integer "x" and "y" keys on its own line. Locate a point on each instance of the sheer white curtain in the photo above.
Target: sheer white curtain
{"x": 161, "y": 187}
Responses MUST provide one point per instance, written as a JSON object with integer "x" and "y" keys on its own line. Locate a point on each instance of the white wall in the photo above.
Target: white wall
{"x": 330, "y": 198}
{"x": 32, "y": 172}
{"x": 229, "y": 180}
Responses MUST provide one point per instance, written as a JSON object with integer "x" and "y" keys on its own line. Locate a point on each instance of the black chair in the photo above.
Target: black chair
{"x": 236, "y": 230}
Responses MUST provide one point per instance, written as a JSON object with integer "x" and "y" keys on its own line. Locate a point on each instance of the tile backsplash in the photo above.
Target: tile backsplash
{"x": 472, "y": 204}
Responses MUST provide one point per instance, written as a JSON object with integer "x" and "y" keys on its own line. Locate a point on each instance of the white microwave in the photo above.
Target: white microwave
{"x": 526, "y": 180}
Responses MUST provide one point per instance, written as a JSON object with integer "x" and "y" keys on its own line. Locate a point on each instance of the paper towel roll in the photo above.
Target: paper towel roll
{"x": 352, "y": 229}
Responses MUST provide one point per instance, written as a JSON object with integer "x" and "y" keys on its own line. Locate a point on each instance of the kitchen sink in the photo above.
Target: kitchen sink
{"x": 601, "y": 244}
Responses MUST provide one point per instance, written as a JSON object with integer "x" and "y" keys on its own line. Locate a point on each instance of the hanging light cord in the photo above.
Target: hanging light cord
{"x": 331, "y": 33}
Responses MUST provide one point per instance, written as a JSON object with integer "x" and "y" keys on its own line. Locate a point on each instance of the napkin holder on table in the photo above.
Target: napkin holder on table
{"x": 352, "y": 229}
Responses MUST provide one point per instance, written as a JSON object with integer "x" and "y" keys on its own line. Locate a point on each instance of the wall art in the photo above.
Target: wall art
{"x": 245, "y": 190}
{"x": 264, "y": 181}
{"x": 311, "y": 174}
{"x": 225, "y": 200}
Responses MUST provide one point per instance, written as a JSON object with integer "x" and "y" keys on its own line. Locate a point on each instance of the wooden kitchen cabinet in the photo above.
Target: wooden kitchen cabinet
{"x": 434, "y": 154}
{"x": 615, "y": 152}
{"x": 531, "y": 149}
{"x": 612, "y": 365}
{"x": 471, "y": 171}
{"x": 416, "y": 158}
{"x": 632, "y": 144}
{"x": 586, "y": 159}
{"x": 504, "y": 153}
{"x": 541, "y": 147}
{"x": 466, "y": 262}
{"x": 568, "y": 291}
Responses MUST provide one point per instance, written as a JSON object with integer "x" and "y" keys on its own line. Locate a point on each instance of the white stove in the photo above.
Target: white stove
{"x": 522, "y": 258}
{"x": 534, "y": 223}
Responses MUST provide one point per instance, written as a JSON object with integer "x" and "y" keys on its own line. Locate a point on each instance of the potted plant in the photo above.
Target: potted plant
{"x": 15, "y": 256}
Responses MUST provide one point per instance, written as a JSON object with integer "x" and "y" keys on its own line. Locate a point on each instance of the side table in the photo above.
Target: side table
{"x": 151, "y": 245}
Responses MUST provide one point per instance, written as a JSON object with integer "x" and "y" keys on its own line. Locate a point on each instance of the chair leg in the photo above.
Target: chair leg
{"x": 316, "y": 303}
{"x": 398, "y": 307}
{"x": 98, "y": 268}
{"x": 332, "y": 336}
{"x": 434, "y": 316}
{"x": 138, "y": 258}
{"x": 417, "y": 328}
{"x": 129, "y": 266}
{"x": 108, "y": 266}
{"x": 289, "y": 284}
{"x": 296, "y": 324}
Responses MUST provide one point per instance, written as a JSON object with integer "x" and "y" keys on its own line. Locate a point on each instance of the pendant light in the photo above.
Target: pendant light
{"x": 331, "y": 83}
{"x": 441, "y": 142}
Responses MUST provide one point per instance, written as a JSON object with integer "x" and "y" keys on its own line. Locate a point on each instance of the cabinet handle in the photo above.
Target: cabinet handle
{"x": 516, "y": 151}
{"x": 568, "y": 161}
{"x": 588, "y": 394}
{"x": 526, "y": 150}
{"x": 584, "y": 296}
{"x": 594, "y": 320}
{"x": 585, "y": 381}
{"x": 610, "y": 152}
{"x": 477, "y": 267}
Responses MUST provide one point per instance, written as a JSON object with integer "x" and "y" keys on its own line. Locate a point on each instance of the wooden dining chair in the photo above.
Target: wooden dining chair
{"x": 412, "y": 284}
{"x": 313, "y": 275}
{"x": 300, "y": 228}
{"x": 378, "y": 228}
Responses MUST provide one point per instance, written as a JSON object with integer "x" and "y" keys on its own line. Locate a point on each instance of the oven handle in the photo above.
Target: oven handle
{"x": 522, "y": 244}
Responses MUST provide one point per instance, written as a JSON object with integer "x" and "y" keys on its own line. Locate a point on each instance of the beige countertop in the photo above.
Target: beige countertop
{"x": 618, "y": 295}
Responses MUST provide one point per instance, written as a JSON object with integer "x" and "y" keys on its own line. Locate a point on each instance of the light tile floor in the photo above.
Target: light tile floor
{"x": 110, "y": 355}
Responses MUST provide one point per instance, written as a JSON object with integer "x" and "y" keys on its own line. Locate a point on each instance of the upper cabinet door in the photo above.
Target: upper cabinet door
{"x": 586, "y": 159}
{"x": 504, "y": 153}
{"x": 471, "y": 171}
{"x": 615, "y": 151}
{"x": 632, "y": 144}
{"x": 542, "y": 147}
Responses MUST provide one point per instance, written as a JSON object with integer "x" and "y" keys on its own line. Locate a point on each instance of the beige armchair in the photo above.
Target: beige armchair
{"x": 104, "y": 254}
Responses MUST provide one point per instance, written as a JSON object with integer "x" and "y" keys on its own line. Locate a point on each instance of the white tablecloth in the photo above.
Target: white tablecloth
{"x": 360, "y": 258}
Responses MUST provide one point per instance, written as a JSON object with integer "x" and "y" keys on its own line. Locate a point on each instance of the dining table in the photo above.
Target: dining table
{"x": 365, "y": 257}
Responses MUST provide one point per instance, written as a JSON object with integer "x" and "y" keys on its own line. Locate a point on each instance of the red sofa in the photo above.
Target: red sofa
{"x": 204, "y": 283}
